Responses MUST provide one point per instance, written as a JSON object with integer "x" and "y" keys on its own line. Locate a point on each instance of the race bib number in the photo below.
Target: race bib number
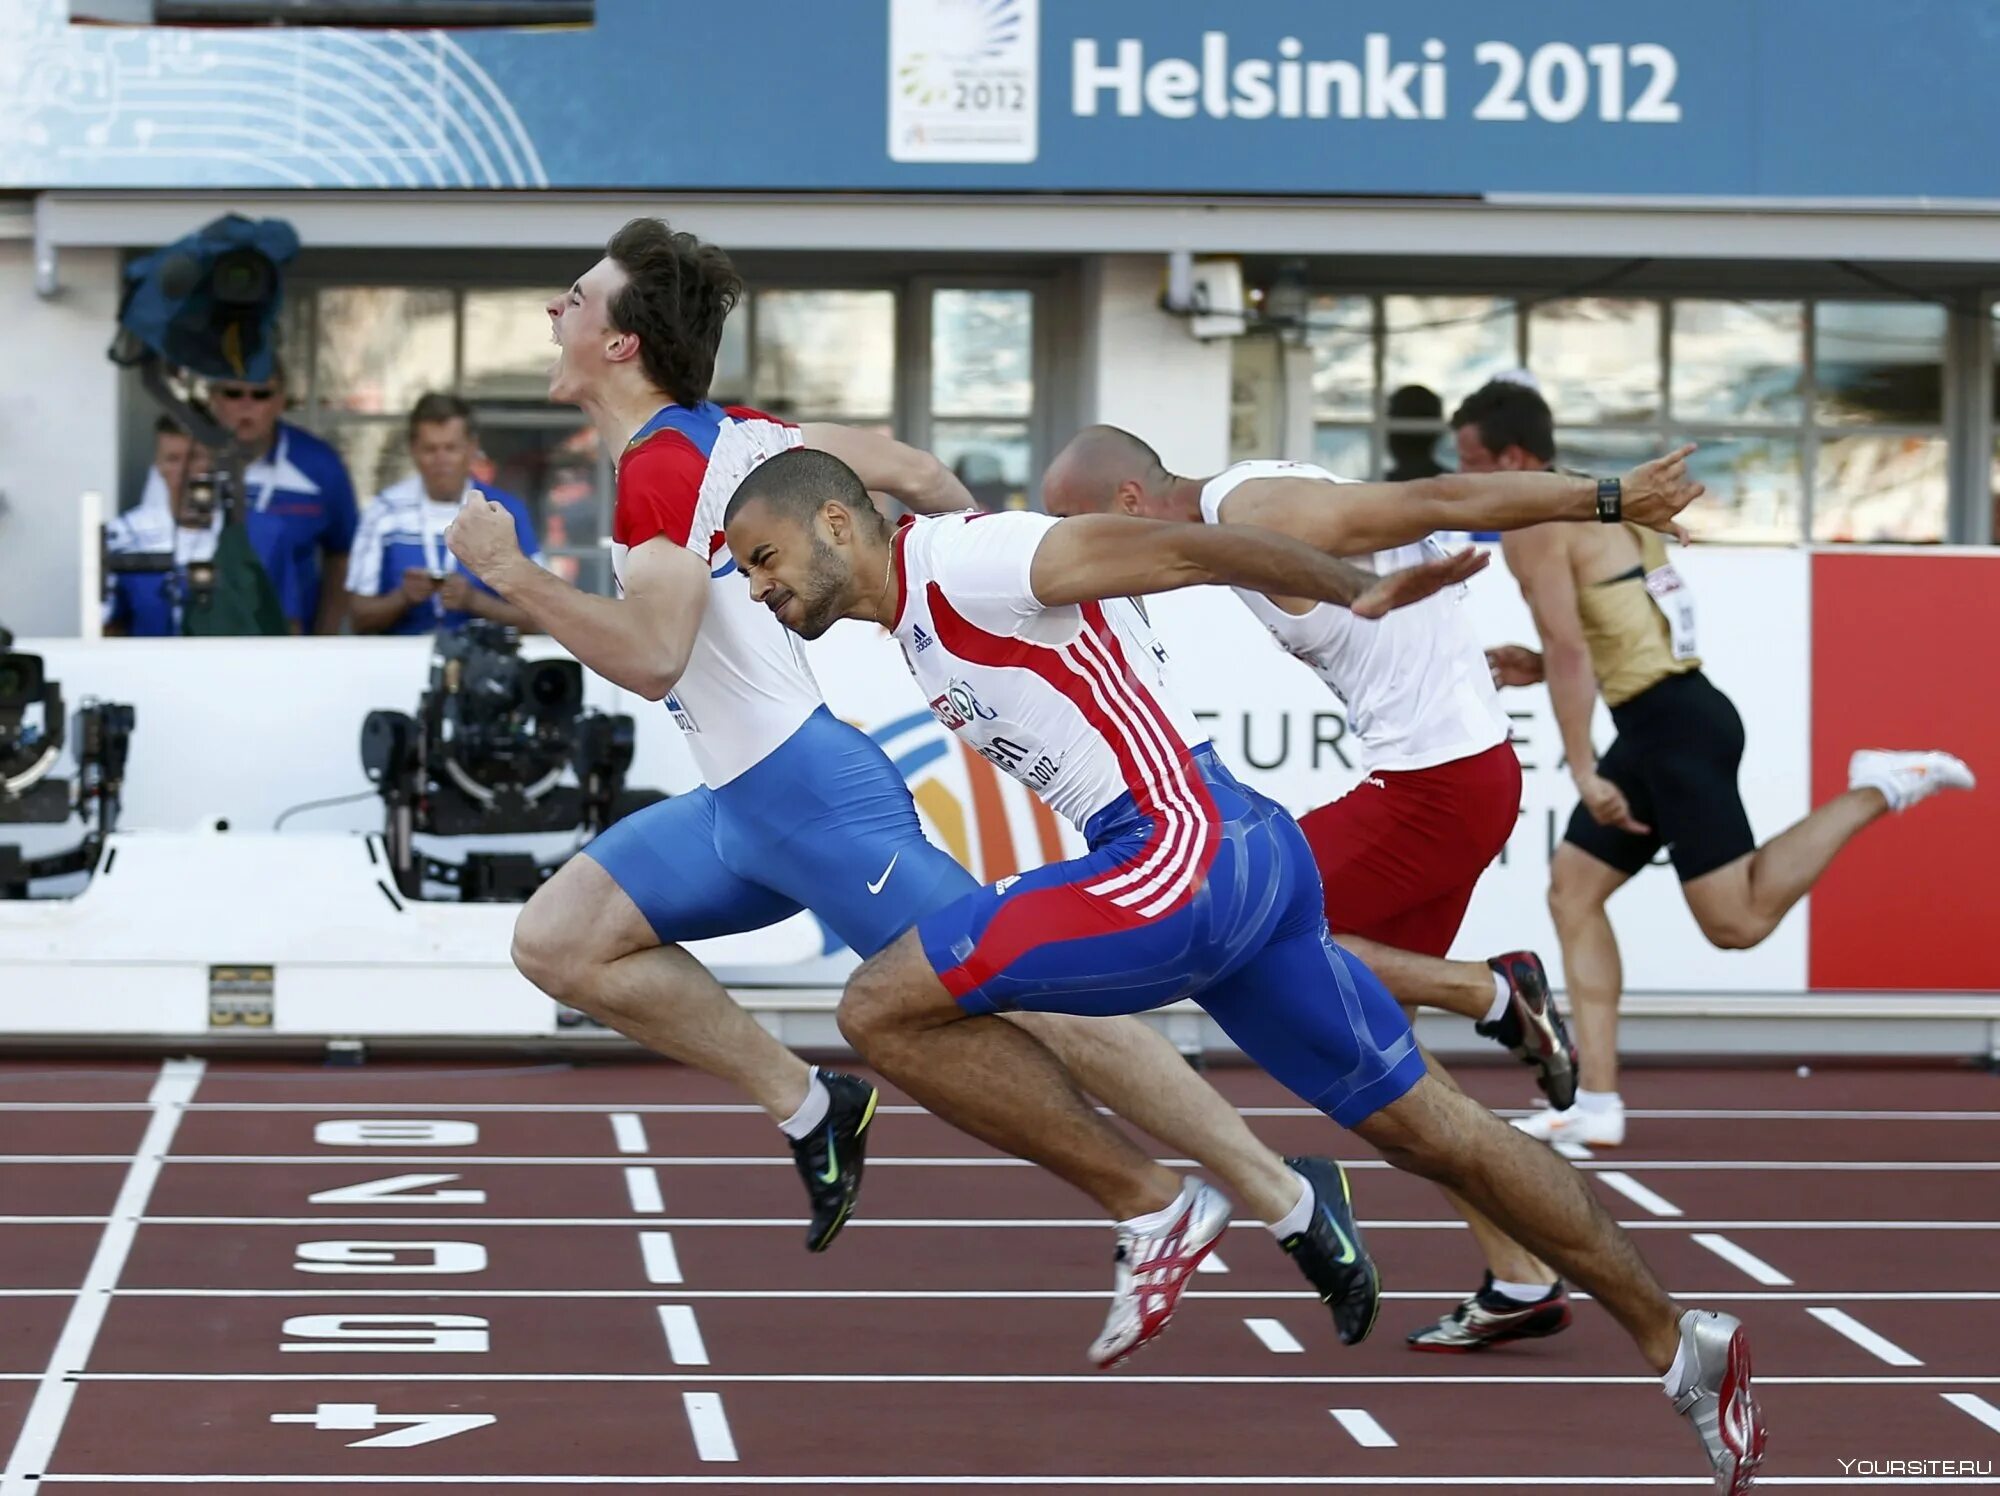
{"x": 1675, "y": 601}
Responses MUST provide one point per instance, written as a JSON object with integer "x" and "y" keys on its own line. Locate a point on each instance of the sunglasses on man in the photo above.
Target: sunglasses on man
{"x": 243, "y": 392}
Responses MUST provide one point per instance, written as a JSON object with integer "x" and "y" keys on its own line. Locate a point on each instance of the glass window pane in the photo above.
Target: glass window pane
{"x": 508, "y": 349}
{"x": 1738, "y": 360}
{"x": 826, "y": 355}
{"x": 1343, "y": 349}
{"x": 1880, "y": 488}
{"x": 557, "y": 471}
{"x": 991, "y": 458}
{"x": 731, "y": 385}
{"x": 377, "y": 453}
{"x": 380, "y": 347}
{"x": 1879, "y": 361}
{"x": 1451, "y": 344}
{"x": 1254, "y": 405}
{"x": 1755, "y": 490}
{"x": 1344, "y": 451}
{"x": 1597, "y": 358}
{"x": 588, "y": 570}
{"x": 982, "y": 353}
{"x": 1606, "y": 454}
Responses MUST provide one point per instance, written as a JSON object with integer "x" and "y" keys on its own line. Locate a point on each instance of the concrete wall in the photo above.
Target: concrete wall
{"x": 58, "y": 429}
{"x": 1144, "y": 371}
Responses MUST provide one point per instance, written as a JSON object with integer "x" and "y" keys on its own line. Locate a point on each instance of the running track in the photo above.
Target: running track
{"x": 604, "y": 1291}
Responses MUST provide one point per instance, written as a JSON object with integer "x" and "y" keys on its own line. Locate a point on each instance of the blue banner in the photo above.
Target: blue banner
{"x": 1709, "y": 98}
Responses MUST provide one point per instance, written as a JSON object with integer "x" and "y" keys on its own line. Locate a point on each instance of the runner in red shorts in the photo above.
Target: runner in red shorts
{"x": 1400, "y": 854}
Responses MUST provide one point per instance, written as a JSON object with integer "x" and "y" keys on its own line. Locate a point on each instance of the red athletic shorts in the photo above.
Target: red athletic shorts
{"x": 1399, "y": 854}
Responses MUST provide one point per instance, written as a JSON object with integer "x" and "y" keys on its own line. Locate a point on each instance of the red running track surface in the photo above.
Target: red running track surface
{"x": 403, "y": 1279}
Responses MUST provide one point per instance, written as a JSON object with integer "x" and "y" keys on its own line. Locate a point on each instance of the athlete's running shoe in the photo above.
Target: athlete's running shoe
{"x": 1716, "y": 1397}
{"x": 1599, "y": 1127}
{"x": 831, "y": 1157}
{"x": 1532, "y": 1029}
{"x": 1331, "y": 1254}
{"x": 1489, "y": 1318}
{"x": 1151, "y": 1269}
{"x": 1906, "y": 778}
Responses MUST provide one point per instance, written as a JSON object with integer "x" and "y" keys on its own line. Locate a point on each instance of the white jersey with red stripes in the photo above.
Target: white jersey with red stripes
{"x": 747, "y": 686}
{"x": 1415, "y": 683}
{"x": 1071, "y": 701}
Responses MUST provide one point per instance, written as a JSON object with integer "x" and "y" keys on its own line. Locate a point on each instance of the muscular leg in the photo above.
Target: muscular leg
{"x": 1133, "y": 1069}
{"x": 1535, "y": 1197}
{"x": 583, "y": 941}
{"x": 1506, "y": 1258}
{"x": 1579, "y": 886}
{"x": 1741, "y": 902}
{"x": 993, "y": 1079}
{"x": 1417, "y": 981}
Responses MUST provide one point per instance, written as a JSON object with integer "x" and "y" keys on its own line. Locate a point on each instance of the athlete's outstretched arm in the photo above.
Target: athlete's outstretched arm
{"x": 1355, "y": 518}
{"x": 886, "y": 465}
{"x": 1094, "y": 556}
{"x": 640, "y": 641}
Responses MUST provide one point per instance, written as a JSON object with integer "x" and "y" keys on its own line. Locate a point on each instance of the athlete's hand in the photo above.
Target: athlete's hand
{"x": 1415, "y": 583}
{"x": 1514, "y": 665}
{"x": 455, "y": 592}
{"x": 482, "y": 536}
{"x": 1607, "y": 804}
{"x": 417, "y": 586}
{"x": 1657, "y": 491}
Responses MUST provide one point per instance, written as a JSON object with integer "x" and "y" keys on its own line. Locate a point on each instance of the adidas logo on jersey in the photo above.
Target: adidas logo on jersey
{"x": 923, "y": 639}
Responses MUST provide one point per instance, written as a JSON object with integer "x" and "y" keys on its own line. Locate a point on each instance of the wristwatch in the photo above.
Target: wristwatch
{"x": 1610, "y": 500}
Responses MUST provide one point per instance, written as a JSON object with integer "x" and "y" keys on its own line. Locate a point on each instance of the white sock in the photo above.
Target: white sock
{"x": 1522, "y": 1293}
{"x": 1672, "y": 1380}
{"x": 1295, "y": 1220}
{"x": 1157, "y": 1221}
{"x": 811, "y": 1112}
{"x": 1599, "y": 1101}
{"x": 1503, "y": 999}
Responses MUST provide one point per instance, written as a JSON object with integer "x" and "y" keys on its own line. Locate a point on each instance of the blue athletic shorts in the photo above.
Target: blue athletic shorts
{"x": 1246, "y": 938}
{"x": 824, "y": 823}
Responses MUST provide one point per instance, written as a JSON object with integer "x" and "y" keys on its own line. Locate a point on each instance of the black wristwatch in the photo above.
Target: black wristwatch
{"x": 1610, "y": 501}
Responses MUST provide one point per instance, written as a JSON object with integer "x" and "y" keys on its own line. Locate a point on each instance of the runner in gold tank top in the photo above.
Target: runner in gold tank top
{"x": 1617, "y": 619}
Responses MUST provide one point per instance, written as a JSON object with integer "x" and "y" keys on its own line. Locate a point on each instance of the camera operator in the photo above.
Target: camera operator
{"x": 298, "y": 502}
{"x": 401, "y": 577}
{"x": 148, "y": 604}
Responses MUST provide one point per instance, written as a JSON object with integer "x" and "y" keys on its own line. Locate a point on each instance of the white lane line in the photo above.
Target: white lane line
{"x": 1212, "y": 1263}
{"x": 50, "y": 1409}
{"x": 1759, "y": 1270}
{"x": 712, "y": 1439}
{"x": 1879, "y": 1346}
{"x": 690, "y": 1108}
{"x": 684, "y": 1342}
{"x": 643, "y": 1186}
{"x": 1638, "y": 1194}
{"x": 628, "y": 1130}
{"x": 1277, "y": 1339}
{"x": 1405, "y": 1295}
{"x": 663, "y": 1263}
{"x": 1589, "y": 1164}
{"x": 1018, "y": 1482}
{"x": 1050, "y": 1380}
{"x": 1977, "y": 1407}
{"x": 1572, "y": 1151}
{"x": 980, "y": 1223}
{"x": 1360, "y": 1423}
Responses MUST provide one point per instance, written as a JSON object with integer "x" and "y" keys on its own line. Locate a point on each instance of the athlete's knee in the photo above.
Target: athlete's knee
{"x": 867, "y": 1006}
{"x": 544, "y": 948}
{"x": 1732, "y": 929}
{"x": 1571, "y": 899}
{"x": 1423, "y": 1133}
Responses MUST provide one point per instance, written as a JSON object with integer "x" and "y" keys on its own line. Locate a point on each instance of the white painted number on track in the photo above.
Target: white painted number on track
{"x": 395, "y": 1132}
{"x": 390, "y": 1257}
{"x": 361, "y": 1418}
{"x": 1275, "y": 1336}
{"x": 710, "y": 1425}
{"x": 628, "y": 1130}
{"x": 1361, "y": 1424}
{"x": 1879, "y": 1346}
{"x": 388, "y": 1334}
{"x": 400, "y": 1189}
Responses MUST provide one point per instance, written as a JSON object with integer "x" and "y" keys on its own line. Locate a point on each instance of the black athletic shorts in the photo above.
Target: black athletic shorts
{"x": 1678, "y": 748}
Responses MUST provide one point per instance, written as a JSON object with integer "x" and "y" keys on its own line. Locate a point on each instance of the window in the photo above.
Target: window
{"x": 1819, "y": 420}
{"x": 982, "y": 393}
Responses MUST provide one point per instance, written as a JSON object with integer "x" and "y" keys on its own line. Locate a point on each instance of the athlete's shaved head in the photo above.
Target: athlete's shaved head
{"x": 1107, "y": 470}
{"x": 798, "y": 526}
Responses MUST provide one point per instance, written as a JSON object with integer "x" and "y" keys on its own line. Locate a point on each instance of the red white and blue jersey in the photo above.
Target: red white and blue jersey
{"x": 747, "y": 686}
{"x": 1071, "y": 701}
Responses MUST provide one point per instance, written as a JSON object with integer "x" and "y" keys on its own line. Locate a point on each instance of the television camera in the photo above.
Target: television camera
{"x": 31, "y": 742}
{"x": 486, "y": 753}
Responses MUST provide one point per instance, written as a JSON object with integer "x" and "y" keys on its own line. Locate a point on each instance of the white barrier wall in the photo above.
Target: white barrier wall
{"x": 245, "y": 729}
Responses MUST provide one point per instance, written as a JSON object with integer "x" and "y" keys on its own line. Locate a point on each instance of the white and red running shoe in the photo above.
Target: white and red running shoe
{"x": 1152, "y": 1269}
{"x": 1716, "y": 1397}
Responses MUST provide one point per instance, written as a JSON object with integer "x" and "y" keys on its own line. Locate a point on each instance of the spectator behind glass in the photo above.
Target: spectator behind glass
{"x": 298, "y": 502}
{"x": 1413, "y": 454}
{"x": 147, "y": 605}
{"x": 1505, "y": 426}
{"x": 401, "y": 577}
